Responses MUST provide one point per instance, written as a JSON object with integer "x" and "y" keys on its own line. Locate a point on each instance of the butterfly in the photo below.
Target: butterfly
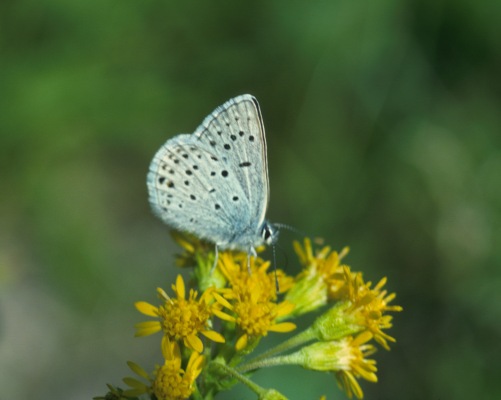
{"x": 214, "y": 183}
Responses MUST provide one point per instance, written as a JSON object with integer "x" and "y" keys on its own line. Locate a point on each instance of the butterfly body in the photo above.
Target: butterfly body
{"x": 214, "y": 183}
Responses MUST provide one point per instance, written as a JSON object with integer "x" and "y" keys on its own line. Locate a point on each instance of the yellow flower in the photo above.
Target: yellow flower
{"x": 201, "y": 255}
{"x": 192, "y": 247}
{"x": 347, "y": 358}
{"x": 308, "y": 293}
{"x": 369, "y": 305}
{"x": 181, "y": 318}
{"x": 306, "y": 256}
{"x": 251, "y": 299}
{"x": 241, "y": 271}
{"x": 137, "y": 387}
{"x": 354, "y": 364}
{"x": 361, "y": 308}
{"x": 171, "y": 381}
{"x": 320, "y": 280}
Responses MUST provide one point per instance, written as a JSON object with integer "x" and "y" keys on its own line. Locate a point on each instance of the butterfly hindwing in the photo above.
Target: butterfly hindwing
{"x": 187, "y": 187}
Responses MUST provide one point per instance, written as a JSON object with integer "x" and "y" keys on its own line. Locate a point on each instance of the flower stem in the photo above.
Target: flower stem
{"x": 288, "y": 359}
{"x": 294, "y": 341}
{"x": 220, "y": 367}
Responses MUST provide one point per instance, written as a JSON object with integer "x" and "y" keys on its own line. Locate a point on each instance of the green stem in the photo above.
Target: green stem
{"x": 288, "y": 359}
{"x": 294, "y": 341}
{"x": 237, "y": 375}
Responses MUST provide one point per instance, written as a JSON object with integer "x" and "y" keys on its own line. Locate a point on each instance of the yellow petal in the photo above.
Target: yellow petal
{"x": 282, "y": 327}
{"x": 166, "y": 348}
{"x": 223, "y": 316}
{"x": 147, "y": 328}
{"x": 364, "y": 337}
{"x": 146, "y": 308}
{"x": 194, "y": 342}
{"x": 137, "y": 369}
{"x": 194, "y": 365}
{"x": 161, "y": 293}
{"x": 369, "y": 376}
{"x": 241, "y": 342}
{"x": 214, "y": 336}
{"x": 181, "y": 241}
{"x": 264, "y": 266}
{"x": 299, "y": 251}
{"x": 171, "y": 353}
{"x": 285, "y": 308}
{"x": 180, "y": 289}
{"x": 134, "y": 383}
{"x": 193, "y": 362}
{"x": 221, "y": 300}
{"x": 354, "y": 385}
{"x": 344, "y": 252}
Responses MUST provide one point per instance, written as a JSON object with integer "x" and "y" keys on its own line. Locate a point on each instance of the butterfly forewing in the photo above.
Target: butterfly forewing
{"x": 235, "y": 131}
{"x": 214, "y": 183}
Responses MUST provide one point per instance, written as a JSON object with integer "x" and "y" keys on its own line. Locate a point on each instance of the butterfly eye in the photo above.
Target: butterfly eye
{"x": 269, "y": 234}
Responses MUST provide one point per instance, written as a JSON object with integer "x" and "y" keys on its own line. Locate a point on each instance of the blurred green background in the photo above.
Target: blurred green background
{"x": 383, "y": 129}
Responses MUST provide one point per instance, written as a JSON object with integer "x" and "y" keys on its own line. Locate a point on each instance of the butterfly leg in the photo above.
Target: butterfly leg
{"x": 251, "y": 252}
{"x": 216, "y": 256}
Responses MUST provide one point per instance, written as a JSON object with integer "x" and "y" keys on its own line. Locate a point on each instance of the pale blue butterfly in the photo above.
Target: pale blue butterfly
{"x": 214, "y": 183}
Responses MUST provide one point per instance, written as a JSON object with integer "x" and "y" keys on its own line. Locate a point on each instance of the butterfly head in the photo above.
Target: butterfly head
{"x": 269, "y": 234}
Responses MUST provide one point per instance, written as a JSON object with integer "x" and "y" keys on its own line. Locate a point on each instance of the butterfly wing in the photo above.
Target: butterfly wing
{"x": 186, "y": 188}
{"x": 235, "y": 131}
{"x": 199, "y": 185}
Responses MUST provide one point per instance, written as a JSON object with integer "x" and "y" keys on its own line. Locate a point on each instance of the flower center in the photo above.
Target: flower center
{"x": 181, "y": 318}
{"x": 170, "y": 383}
{"x": 255, "y": 319}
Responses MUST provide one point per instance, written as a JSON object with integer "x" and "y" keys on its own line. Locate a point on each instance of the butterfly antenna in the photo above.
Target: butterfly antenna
{"x": 289, "y": 228}
{"x": 275, "y": 267}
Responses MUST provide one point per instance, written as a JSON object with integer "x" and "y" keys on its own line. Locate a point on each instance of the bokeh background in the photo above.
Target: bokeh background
{"x": 383, "y": 128}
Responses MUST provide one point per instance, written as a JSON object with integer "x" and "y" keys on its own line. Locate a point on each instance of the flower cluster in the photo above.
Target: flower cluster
{"x": 249, "y": 300}
{"x": 208, "y": 338}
